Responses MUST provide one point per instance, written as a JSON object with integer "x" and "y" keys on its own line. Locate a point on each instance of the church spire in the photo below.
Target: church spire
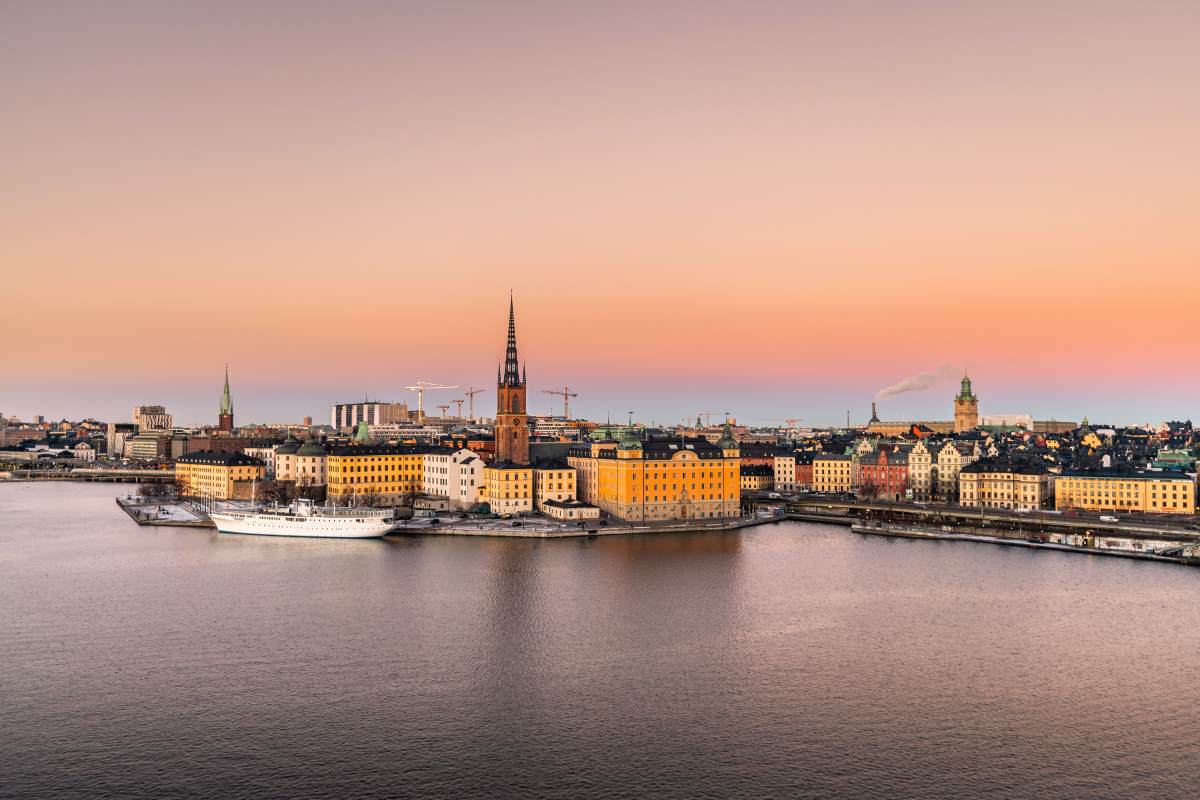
{"x": 226, "y": 401}
{"x": 512, "y": 372}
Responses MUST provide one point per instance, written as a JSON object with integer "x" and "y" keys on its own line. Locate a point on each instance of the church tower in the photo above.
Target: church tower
{"x": 225, "y": 415}
{"x": 512, "y": 423}
{"x": 966, "y": 408}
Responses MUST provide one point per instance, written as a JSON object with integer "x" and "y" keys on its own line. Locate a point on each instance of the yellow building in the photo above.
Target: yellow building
{"x": 1004, "y": 483}
{"x": 757, "y": 478}
{"x": 1115, "y": 490}
{"x": 508, "y": 487}
{"x": 833, "y": 472}
{"x": 660, "y": 479}
{"x": 216, "y": 475}
{"x": 374, "y": 474}
{"x": 553, "y": 481}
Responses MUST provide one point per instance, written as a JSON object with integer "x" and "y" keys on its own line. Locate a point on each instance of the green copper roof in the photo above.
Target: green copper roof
{"x": 727, "y": 442}
{"x": 362, "y": 435}
{"x": 630, "y": 439}
{"x": 226, "y": 401}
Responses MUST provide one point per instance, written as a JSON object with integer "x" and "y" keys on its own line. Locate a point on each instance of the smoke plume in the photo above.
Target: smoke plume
{"x": 919, "y": 381}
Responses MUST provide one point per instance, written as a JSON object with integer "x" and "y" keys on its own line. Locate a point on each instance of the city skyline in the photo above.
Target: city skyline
{"x": 772, "y": 209}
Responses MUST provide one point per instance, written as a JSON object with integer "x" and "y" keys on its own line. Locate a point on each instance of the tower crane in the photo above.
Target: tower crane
{"x": 708, "y": 415}
{"x": 458, "y": 401}
{"x": 470, "y": 393}
{"x": 419, "y": 387}
{"x": 566, "y": 394}
{"x": 444, "y": 407}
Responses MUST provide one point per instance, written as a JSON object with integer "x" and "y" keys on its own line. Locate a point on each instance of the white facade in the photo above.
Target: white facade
{"x": 265, "y": 455}
{"x": 84, "y": 452}
{"x": 457, "y": 476}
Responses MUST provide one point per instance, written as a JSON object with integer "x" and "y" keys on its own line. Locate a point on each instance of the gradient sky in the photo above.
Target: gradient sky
{"x": 772, "y": 208}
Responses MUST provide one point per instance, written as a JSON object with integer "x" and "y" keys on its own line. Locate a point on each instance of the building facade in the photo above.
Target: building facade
{"x": 346, "y": 416}
{"x": 374, "y": 474}
{"x": 1006, "y": 484}
{"x": 216, "y": 475}
{"x": 660, "y": 479}
{"x": 833, "y": 473}
{"x": 151, "y": 418}
{"x": 1117, "y": 490}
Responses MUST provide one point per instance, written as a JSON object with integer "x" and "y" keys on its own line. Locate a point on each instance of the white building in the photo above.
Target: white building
{"x": 265, "y": 455}
{"x": 784, "y": 469}
{"x": 344, "y": 416}
{"x": 84, "y": 452}
{"x": 151, "y": 418}
{"x": 456, "y": 475}
{"x": 427, "y": 433}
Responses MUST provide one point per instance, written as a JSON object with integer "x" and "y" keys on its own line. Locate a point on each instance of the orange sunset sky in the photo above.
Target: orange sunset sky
{"x": 771, "y": 208}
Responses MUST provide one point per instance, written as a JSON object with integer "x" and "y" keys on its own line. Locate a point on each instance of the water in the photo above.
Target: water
{"x": 793, "y": 660}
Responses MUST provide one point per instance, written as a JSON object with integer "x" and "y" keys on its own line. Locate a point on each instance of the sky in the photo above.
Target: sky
{"x": 775, "y": 209}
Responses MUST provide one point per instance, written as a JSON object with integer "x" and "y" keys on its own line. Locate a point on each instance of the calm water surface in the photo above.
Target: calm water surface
{"x": 793, "y": 660}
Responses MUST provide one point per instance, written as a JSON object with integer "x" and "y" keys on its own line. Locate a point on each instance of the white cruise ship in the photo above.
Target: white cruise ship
{"x": 303, "y": 518}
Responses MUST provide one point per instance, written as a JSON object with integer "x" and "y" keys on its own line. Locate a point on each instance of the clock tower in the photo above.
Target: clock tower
{"x": 512, "y": 423}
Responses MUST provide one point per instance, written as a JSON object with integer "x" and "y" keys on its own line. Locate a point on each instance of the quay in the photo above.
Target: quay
{"x": 1165, "y": 540}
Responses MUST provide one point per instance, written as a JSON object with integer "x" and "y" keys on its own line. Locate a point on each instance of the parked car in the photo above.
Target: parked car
{"x": 1108, "y": 518}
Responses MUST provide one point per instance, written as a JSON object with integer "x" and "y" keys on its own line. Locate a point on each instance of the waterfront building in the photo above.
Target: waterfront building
{"x": 553, "y": 481}
{"x": 920, "y": 470}
{"x": 966, "y": 408}
{"x": 833, "y": 472}
{"x": 756, "y": 478}
{"x": 225, "y": 412}
{"x": 951, "y": 458}
{"x": 84, "y": 451}
{"x": 216, "y": 475}
{"x": 883, "y": 474}
{"x": 1007, "y": 483}
{"x": 456, "y": 475}
{"x": 508, "y": 488}
{"x": 568, "y": 510}
{"x": 310, "y": 463}
{"x": 372, "y": 474}
{"x": 346, "y": 416}
{"x": 784, "y": 472}
{"x": 283, "y": 461}
{"x": 660, "y": 478}
{"x": 1126, "y": 490}
{"x": 151, "y": 418}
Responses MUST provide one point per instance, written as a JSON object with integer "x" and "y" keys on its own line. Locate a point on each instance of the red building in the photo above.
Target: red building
{"x": 883, "y": 474}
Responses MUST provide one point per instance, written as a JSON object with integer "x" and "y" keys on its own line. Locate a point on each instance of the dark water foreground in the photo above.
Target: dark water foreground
{"x": 792, "y": 660}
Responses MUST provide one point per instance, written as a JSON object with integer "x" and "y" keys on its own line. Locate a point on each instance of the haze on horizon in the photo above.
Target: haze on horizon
{"x": 777, "y": 209}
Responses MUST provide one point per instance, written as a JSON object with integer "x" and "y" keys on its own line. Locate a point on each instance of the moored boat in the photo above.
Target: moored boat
{"x": 303, "y": 518}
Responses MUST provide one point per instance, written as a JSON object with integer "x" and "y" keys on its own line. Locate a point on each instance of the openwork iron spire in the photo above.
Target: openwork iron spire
{"x": 512, "y": 371}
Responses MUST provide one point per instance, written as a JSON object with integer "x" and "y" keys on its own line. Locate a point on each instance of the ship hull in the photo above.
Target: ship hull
{"x": 308, "y": 527}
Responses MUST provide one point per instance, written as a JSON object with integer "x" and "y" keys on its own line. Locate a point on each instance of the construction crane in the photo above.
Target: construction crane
{"x": 470, "y": 393}
{"x": 444, "y": 408}
{"x": 458, "y": 411}
{"x": 566, "y": 394}
{"x": 708, "y": 415}
{"x": 419, "y": 387}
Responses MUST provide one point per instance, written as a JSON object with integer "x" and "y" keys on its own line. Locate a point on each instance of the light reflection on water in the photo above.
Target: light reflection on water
{"x": 793, "y": 660}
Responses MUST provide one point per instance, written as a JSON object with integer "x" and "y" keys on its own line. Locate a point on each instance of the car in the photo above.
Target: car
{"x": 774, "y": 496}
{"x": 1108, "y": 518}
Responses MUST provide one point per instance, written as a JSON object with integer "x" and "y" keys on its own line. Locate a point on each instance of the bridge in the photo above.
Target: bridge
{"x": 97, "y": 475}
